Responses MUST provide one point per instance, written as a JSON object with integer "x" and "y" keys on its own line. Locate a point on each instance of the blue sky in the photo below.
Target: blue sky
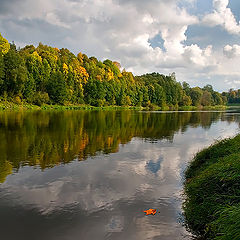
{"x": 199, "y": 40}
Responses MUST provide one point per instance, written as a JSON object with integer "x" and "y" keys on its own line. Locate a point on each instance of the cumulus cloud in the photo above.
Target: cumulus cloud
{"x": 121, "y": 30}
{"x": 200, "y": 57}
{"x": 223, "y": 16}
{"x": 116, "y": 29}
{"x": 231, "y": 51}
{"x": 220, "y": 5}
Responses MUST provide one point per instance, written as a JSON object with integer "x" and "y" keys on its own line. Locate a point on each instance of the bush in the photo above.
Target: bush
{"x": 17, "y": 100}
{"x": 41, "y": 98}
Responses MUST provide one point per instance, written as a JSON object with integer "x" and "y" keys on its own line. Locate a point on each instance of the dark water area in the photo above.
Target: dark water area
{"x": 90, "y": 175}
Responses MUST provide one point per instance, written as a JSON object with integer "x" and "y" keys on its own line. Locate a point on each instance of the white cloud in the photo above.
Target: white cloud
{"x": 122, "y": 30}
{"x": 220, "y": 5}
{"x": 52, "y": 18}
{"x": 231, "y": 51}
{"x": 195, "y": 55}
{"x": 115, "y": 29}
{"x": 223, "y": 16}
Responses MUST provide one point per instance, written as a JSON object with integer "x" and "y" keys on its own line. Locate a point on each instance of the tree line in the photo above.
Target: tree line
{"x": 47, "y": 75}
{"x": 232, "y": 95}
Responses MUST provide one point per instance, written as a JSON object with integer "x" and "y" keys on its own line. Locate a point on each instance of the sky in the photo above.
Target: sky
{"x": 199, "y": 40}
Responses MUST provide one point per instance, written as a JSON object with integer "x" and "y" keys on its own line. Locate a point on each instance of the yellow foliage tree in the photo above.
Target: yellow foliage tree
{"x": 81, "y": 74}
{"x": 80, "y": 58}
{"x": 36, "y": 56}
{"x": 65, "y": 69}
{"x": 109, "y": 75}
{"x": 4, "y": 45}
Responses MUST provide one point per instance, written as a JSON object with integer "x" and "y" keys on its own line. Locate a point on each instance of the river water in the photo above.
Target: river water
{"x": 90, "y": 175}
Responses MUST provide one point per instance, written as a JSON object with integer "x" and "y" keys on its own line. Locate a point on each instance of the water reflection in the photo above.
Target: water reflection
{"x": 51, "y": 195}
{"x": 153, "y": 166}
{"x": 47, "y": 139}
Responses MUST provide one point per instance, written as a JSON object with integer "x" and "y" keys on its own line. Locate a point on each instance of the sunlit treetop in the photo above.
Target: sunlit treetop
{"x": 4, "y": 45}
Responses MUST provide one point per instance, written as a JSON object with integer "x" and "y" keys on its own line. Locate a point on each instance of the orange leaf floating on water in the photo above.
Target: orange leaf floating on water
{"x": 150, "y": 211}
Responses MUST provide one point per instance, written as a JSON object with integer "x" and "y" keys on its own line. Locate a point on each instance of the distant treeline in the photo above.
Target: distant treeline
{"x": 232, "y": 95}
{"x": 47, "y": 75}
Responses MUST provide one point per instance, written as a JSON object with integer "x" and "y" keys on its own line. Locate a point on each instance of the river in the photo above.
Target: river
{"x": 70, "y": 175}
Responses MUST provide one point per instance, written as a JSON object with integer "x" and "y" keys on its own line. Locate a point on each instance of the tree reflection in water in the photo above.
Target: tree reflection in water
{"x": 46, "y": 139}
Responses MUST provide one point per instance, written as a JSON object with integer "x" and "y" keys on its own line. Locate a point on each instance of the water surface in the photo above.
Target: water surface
{"x": 90, "y": 175}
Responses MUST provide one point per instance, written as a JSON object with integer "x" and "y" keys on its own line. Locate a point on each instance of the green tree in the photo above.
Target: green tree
{"x": 15, "y": 72}
{"x": 186, "y": 100}
{"x": 206, "y": 99}
{"x": 57, "y": 88}
{"x": 208, "y": 88}
{"x": 29, "y": 89}
{"x": 93, "y": 92}
{"x": 186, "y": 88}
{"x": 196, "y": 94}
{"x": 217, "y": 98}
{"x": 2, "y": 73}
{"x": 47, "y": 74}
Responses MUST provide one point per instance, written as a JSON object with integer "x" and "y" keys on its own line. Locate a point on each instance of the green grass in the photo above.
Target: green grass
{"x": 217, "y": 107}
{"x": 193, "y": 108}
{"x": 233, "y": 104}
{"x": 5, "y": 105}
{"x": 212, "y": 188}
{"x": 188, "y": 108}
{"x": 14, "y": 106}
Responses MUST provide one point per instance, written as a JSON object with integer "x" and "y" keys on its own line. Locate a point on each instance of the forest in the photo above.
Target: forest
{"x": 46, "y": 75}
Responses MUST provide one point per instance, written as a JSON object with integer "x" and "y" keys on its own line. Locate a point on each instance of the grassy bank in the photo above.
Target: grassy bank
{"x": 212, "y": 187}
{"x": 13, "y": 106}
{"x": 205, "y": 108}
{"x": 25, "y": 106}
{"x": 233, "y": 104}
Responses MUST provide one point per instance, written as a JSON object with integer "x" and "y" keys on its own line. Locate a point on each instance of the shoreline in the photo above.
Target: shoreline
{"x": 17, "y": 107}
{"x": 212, "y": 192}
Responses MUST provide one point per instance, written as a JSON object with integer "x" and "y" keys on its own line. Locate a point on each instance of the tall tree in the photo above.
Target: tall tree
{"x": 57, "y": 88}
{"x": 15, "y": 72}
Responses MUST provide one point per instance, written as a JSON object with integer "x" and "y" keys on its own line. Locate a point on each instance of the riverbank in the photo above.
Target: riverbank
{"x": 26, "y": 106}
{"x": 13, "y": 106}
{"x": 204, "y": 108}
{"x": 212, "y": 188}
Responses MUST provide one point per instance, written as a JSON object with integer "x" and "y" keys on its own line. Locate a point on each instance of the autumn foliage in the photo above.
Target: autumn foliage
{"x": 47, "y": 75}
